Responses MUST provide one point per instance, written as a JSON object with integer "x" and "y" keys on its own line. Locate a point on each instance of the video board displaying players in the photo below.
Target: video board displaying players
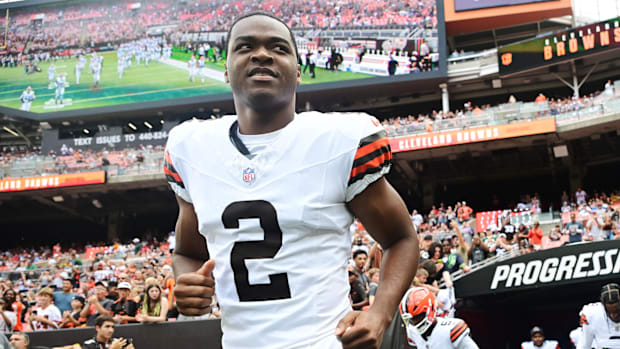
{"x": 90, "y": 54}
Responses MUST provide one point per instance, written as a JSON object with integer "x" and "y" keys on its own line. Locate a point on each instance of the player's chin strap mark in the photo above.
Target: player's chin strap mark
{"x": 236, "y": 141}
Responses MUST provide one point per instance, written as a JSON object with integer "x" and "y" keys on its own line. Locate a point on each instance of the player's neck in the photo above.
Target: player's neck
{"x": 253, "y": 122}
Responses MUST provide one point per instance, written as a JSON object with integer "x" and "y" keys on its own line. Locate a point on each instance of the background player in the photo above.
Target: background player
{"x": 95, "y": 68}
{"x": 601, "y": 320}
{"x": 424, "y": 329}
{"x": 282, "y": 225}
{"x": 538, "y": 340}
{"x": 51, "y": 73}
{"x": 201, "y": 69}
{"x": 79, "y": 68}
{"x": 61, "y": 84}
{"x": 27, "y": 97}
{"x": 192, "y": 66}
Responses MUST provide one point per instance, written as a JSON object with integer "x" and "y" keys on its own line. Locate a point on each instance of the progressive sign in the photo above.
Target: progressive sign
{"x": 575, "y": 263}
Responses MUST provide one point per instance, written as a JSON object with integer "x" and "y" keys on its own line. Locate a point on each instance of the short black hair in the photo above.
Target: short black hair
{"x": 359, "y": 252}
{"x": 101, "y": 319}
{"x": 260, "y": 13}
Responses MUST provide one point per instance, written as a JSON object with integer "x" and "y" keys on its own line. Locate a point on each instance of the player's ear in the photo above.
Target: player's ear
{"x": 226, "y": 73}
{"x": 298, "y": 74}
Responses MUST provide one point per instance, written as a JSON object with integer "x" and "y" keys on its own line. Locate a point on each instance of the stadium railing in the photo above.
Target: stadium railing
{"x": 515, "y": 112}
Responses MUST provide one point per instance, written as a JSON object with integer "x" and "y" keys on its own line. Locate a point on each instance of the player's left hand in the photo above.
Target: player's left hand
{"x": 360, "y": 330}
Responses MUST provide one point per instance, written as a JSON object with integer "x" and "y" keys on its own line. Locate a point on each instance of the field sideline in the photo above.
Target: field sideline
{"x": 139, "y": 84}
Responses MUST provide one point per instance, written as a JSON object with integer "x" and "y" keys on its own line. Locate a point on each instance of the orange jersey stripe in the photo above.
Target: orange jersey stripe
{"x": 460, "y": 332}
{"x": 457, "y": 327}
{"x": 173, "y": 174}
{"x": 369, "y": 148}
{"x": 376, "y": 162}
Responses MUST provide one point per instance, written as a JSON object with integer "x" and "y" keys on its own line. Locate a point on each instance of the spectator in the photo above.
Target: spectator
{"x": 452, "y": 262}
{"x": 508, "y": 230}
{"x": 113, "y": 293}
{"x": 580, "y": 196}
{"x": 374, "y": 284}
{"x": 540, "y": 98}
{"x": 104, "y": 328}
{"x": 539, "y": 341}
{"x": 124, "y": 309}
{"x": 97, "y": 305}
{"x": 63, "y": 298}
{"x": 459, "y": 245}
{"x": 555, "y": 234}
{"x": 10, "y": 296}
{"x": 357, "y": 293}
{"x": 8, "y": 318}
{"x": 154, "y": 306}
{"x": 359, "y": 259}
{"x": 535, "y": 236}
{"x": 464, "y": 212}
{"x": 575, "y": 229}
{"x": 73, "y": 318}
{"x": 478, "y": 251}
{"x": 501, "y": 246}
{"x": 46, "y": 316}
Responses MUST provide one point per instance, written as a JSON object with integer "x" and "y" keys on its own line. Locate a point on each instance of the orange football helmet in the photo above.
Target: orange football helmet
{"x": 418, "y": 308}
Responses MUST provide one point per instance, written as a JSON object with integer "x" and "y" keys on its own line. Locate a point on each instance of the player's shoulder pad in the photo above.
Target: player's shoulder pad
{"x": 459, "y": 330}
{"x": 588, "y": 311}
{"x": 351, "y": 125}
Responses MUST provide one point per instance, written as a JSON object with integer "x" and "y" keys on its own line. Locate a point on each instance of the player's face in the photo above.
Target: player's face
{"x": 613, "y": 311}
{"x": 262, "y": 66}
{"x": 538, "y": 339}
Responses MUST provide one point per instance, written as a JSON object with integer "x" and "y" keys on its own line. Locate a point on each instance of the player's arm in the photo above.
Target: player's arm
{"x": 385, "y": 217}
{"x": 460, "y": 337}
{"x": 587, "y": 335}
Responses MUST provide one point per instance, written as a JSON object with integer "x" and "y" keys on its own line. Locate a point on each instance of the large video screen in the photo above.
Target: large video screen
{"x": 467, "y": 5}
{"x": 90, "y": 54}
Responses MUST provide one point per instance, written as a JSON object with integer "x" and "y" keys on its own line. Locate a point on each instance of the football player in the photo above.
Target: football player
{"x": 61, "y": 83}
{"x": 191, "y": 65}
{"x": 51, "y": 73}
{"x": 601, "y": 320}
{"x": 538, "y": 340}
{"x": 79, "y": 67}
{"x": 27, "y": 97}
{"x": 418, "y": 310}
{"x": 201, "y": 69}
{"x": 263, "y": 192}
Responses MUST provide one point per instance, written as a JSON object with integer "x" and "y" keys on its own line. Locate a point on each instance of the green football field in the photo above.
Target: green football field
{"x": 139, "y": 84}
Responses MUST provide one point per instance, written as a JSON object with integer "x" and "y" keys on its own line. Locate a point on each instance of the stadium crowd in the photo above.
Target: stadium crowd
{"x": 134, "y": 282}
{"x": 97, "y": 23}
{"x": 435, "y": 120}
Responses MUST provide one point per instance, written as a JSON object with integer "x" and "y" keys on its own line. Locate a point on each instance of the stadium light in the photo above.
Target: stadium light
{"x": 86, "y": 131}
{"x": 161, "y": 121}
{"x": 58, "y": 198}
{"x": 147, "y": 124}
{"x": 132, "y": 126}
{"x": 97, "y": 203}
{"x": 10, "y": 131}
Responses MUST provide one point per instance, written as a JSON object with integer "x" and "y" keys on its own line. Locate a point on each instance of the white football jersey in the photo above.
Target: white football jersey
{"x": 547, "y": 344}
{"x": 277, "y": 224}
{"x": 448, "y": 333}
{"x": 597, "y": 326}
{"x": 576, "y": 335}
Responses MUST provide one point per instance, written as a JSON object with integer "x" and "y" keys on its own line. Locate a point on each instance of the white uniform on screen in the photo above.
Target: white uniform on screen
{"x": 191, "y": 65}
{"x": 27, "y": 97}
{"x": 298, "y": 182}
{"x": 546, "y": 344}
{"x": 597, "y": 326}
{"x": 447, "y": 333}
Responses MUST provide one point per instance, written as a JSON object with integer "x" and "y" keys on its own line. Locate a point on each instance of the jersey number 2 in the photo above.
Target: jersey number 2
{"x": 278, "y": 287}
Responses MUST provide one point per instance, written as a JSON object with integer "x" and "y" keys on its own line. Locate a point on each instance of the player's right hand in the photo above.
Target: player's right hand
{"x": 118, "y": 343}
{"x": 193, "y": 291}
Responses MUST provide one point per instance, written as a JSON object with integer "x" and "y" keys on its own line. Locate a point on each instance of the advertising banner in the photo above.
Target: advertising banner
{"x": 575, "y": 263}
{"x": 56, "y": 181}
{"x": 480, "y": 134}
{"x": 467, "y": 5}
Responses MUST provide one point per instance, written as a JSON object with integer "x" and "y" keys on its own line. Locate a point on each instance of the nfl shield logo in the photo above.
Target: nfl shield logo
{"x": 249, "y": 175}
